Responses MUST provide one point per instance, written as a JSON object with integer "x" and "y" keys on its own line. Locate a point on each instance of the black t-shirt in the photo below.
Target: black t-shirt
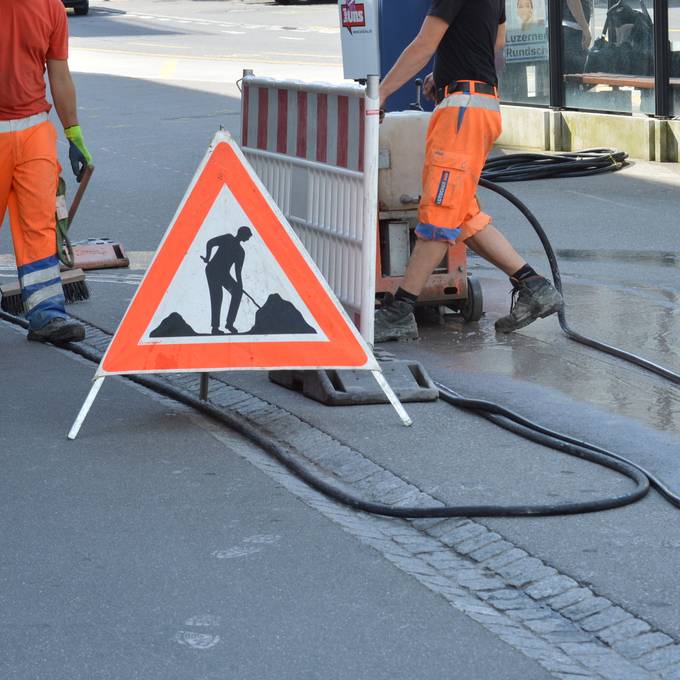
{"x": 467, "y": 49}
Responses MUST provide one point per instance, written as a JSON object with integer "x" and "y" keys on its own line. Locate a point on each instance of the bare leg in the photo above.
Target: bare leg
{"x": 495, "y": 248}
{"x": 425, "y": 257}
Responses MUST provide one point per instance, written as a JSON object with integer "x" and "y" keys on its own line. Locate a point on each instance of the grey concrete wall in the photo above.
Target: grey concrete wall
{"x": 641, "y": 137}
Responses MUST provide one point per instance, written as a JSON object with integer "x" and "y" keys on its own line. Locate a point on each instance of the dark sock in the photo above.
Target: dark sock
{"x": 404, "y": 296}
{"x": 525, "y": 272}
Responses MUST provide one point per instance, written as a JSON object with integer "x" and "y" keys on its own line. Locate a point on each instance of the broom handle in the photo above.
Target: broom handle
{"x": 79, "y": 194}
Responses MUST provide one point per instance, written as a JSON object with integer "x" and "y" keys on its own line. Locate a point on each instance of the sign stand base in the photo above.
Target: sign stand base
{"x": 99, "y": 381}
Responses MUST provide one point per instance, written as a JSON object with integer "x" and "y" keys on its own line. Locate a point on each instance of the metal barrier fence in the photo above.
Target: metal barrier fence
{"x": 315, "y": 148}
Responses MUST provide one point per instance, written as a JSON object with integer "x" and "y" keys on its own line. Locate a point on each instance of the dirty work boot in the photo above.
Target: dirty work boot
{"x": 58, "y": 331}
{"x": 533, "y": 298}
{"x": 395, "y": 321}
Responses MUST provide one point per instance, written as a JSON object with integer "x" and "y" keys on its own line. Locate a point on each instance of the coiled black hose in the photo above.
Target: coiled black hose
{"x": 518, "y": 167}
{"x": 555, "y": 270}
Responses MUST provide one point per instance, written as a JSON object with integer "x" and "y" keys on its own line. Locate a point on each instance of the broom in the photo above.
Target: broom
{"x": 72, "y": 280}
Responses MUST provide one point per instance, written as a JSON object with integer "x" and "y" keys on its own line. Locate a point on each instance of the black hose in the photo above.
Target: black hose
{"x": 493, "y": 412}
{"x": 526, "y": 166}
{"x": 501, "y": 416}
{"x": 554, "y": 268}
{"x": 497, "y": 414}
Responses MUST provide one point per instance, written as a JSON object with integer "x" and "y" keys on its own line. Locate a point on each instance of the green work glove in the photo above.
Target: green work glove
{"x": 78, "y": 154}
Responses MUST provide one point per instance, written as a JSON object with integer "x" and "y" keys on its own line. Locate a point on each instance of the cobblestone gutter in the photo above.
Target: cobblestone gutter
{"x": 548, "y": 616}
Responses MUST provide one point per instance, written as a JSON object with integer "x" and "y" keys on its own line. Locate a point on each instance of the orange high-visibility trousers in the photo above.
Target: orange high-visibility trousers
{"x": 29, "y": 172}
{"x": 461, "y": 134}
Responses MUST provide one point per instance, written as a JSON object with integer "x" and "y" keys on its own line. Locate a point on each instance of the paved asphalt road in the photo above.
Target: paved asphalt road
{"x": 152, "y": 548}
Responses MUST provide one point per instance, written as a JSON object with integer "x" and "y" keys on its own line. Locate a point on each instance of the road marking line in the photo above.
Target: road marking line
{"x": 168, "y": 68}
{"x": 223, "y": 57}
{"x": 171, "y": 47}
{"x": 215, "y": 22}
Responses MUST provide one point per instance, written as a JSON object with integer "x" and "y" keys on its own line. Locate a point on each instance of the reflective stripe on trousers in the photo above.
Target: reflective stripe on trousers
{"x": 29, "y": 172}
{"x": 470, "y": 101}
{"x": 41, "y": 290}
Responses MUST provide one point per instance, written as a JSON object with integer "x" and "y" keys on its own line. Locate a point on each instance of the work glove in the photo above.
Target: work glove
{"x": 78, "y": 154}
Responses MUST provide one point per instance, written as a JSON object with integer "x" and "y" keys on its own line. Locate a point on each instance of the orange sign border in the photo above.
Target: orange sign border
{"x": 343, "y": 348}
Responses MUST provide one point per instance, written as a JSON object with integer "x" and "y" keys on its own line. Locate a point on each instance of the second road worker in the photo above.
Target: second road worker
{"x": 464, "y": 36}
{"x": 33, "y": 39}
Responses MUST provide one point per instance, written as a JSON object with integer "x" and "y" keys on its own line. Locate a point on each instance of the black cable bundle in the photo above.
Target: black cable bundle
{"x": 519, "y": 167}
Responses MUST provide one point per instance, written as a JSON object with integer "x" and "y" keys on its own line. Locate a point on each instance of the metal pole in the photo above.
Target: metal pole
{"x": 204, "y": 387}
{"x": 370, "y": 207}
{"x": 662, "y": 57}
{"x": 555, "y": 52}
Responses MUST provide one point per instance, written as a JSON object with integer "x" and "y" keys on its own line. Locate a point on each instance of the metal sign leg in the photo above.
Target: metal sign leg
{"x": 204, "y": 387}
{"x": 394, "y": 400}
{"x": 87, "y": 405}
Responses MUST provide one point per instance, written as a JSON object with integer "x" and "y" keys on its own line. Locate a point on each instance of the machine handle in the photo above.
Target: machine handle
{"x": 418, "y": 104}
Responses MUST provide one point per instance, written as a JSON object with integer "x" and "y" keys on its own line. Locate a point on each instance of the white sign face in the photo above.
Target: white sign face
{"x": 206, "y": 300}
{"x": 527, "y": 31}
{"x": 360, "y": 38}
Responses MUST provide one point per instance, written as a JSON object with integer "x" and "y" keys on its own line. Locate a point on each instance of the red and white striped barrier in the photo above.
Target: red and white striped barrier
{"x": 317, "y": 122}
{"x": 315, "y": 148}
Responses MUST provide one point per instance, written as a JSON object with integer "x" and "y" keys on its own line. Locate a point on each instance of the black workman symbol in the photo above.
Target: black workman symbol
{"x": 230, "y": 253}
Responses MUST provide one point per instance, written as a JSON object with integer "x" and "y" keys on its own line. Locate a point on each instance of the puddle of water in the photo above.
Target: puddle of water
{"x": 541, "y": 353}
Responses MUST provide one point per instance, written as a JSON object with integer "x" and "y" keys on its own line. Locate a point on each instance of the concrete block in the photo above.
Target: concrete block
{"x": 643, "y": 644}
{"x": 673, "y": 141}
{"x": 555, "y": 131}
{"x": 525, "y": 127}
{"x": 633, "y": 134}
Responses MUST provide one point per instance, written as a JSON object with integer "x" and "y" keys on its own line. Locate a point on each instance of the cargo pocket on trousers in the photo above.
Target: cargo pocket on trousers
{"x": 446, "y": 181}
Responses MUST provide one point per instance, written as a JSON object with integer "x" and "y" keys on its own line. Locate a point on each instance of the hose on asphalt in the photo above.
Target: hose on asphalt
{"x": 518, "y": 167}
{"x": 643, "y": 480}
{"x": 498, "y": 414}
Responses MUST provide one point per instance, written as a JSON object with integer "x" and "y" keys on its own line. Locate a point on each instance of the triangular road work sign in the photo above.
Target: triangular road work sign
{"x": 232, "y": 287}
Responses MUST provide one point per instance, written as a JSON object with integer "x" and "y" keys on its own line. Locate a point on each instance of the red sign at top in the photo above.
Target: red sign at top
{"x": 353, "y": 15}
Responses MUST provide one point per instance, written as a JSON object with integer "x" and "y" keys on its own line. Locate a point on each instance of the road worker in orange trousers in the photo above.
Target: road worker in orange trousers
{"x": 33, "y": 39}
{"x": 464, "y": 36}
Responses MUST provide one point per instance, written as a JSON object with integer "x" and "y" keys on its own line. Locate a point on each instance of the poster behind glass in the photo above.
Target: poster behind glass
{"x": 523, "y": 67}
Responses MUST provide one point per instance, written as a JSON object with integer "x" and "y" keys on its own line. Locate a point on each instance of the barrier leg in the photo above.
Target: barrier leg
{"x": 394, "y": 400}
{"x": 87, "y": 405}
{"x": 370, "y": 207}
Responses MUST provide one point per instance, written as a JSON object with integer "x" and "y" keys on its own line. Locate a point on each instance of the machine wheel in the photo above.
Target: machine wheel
{"x": 82, "y": 10}
{"x": 472, "y": 307}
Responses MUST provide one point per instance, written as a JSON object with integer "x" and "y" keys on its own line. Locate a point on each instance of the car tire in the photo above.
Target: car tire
{"x": 82, "y": 10}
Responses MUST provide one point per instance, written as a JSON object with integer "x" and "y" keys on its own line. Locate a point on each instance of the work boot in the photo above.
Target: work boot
{"x": 532, "y": 298}
{"x": 394, "y": 320}
{"x": 58, "y": 331}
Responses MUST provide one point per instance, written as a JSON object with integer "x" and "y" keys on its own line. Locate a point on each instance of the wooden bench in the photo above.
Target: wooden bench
{"x": 616, "y": 80}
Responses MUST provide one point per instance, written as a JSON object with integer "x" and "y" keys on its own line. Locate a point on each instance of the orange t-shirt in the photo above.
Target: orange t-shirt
{"x": 31, "y": 32}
